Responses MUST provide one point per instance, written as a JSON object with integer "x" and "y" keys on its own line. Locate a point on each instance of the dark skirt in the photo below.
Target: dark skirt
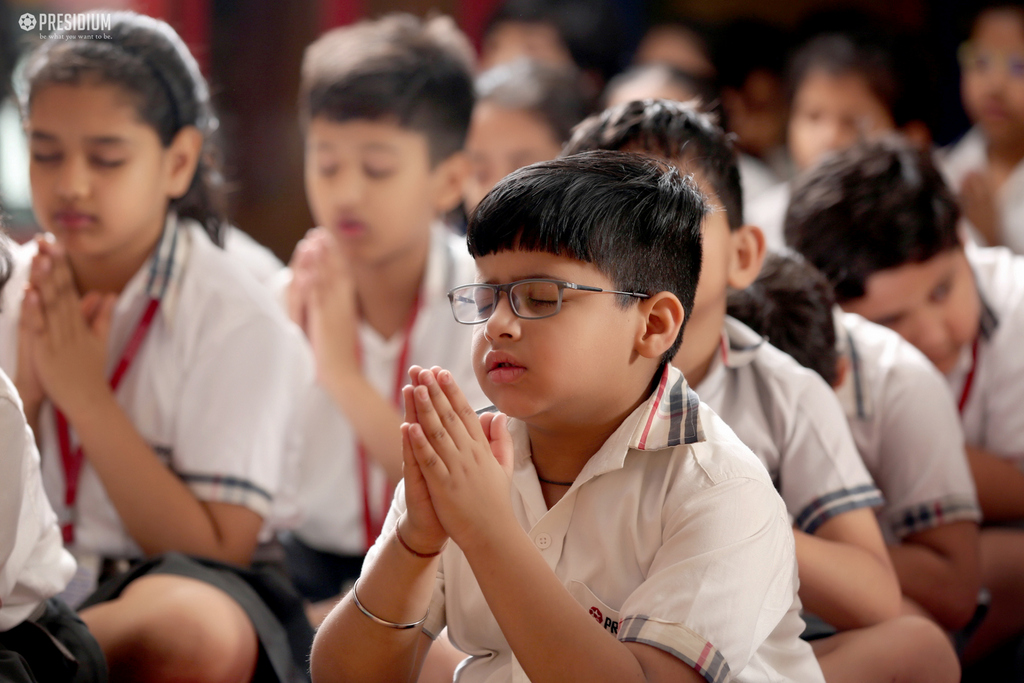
{"x": 274, "y": 607}
{"x": 56, "y": 647}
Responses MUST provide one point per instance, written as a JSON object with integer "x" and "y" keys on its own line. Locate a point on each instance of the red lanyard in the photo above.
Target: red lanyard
{"x": 969, "y": 380}
{"x": 372, "y": 524}
{"x": 72, "y": 459}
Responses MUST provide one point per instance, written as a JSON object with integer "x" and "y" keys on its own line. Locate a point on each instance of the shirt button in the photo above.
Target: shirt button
{"x": 543, "y": 541}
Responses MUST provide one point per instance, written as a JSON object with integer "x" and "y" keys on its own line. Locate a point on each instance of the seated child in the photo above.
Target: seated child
{"x": 786, "y": 414}
{"x": 841, "y": 90}
{"x": 661, "y": 82}
{"x": 385, "y": 107}
{"x": 524, "y": 113}
{"x": 892, "y": 253}
{"x": 159, "y": 377}
{"x": 605, "y": 525}
{"x": 34, "y": 566}
{"x": 903, "y": 421}
{"x": 986, "y": 167}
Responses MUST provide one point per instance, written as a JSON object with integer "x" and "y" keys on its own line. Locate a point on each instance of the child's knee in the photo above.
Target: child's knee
{"x": 180, "y": 629}
{"x": 925, "y": 648}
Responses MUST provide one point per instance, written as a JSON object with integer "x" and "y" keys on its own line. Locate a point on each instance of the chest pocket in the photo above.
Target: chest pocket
{"x": 602, "y": 613}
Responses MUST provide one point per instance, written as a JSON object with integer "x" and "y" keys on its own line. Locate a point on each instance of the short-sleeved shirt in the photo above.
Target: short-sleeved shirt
{"x": 331, "y": 487}
{"x": 793, "y": 422}
{"x": 969, "y": 154}
{"x": 212, "y": 388}
{"x": 672, "y": 536}
{"x": 906, "y": 428}
{"x": 34, "y": 565}
{"x": 257, "y": 259}
{"x": 993, "y": 410}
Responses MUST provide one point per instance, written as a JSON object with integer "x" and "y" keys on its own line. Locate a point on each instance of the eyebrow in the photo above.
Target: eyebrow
{"x": 536, "y": 276}
{"x": 105, "y": 140}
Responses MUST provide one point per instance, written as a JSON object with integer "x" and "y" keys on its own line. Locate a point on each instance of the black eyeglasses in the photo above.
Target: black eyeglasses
{"x": 530, "y": 299}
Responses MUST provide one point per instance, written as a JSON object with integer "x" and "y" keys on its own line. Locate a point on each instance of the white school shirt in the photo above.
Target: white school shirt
{"x": 756, "y": 178}
{"x": 906, "y": 428}
{"x": 993, "y": 416}
{"x": 34, "y": 566}
{"x": 970, "y": 153}
{"x": 330, "y": 486}
{"x": 768, "y": 212}
{"x": 671, "y": 536}
{"x": 211, "y": 389}
{"x": 793, "y": 422}
{"x": 257, "y": 259}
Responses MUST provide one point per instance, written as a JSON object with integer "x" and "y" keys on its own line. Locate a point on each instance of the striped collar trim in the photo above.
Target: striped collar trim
{"x": 671, "y": 416}
{"x": 166, "y": 261}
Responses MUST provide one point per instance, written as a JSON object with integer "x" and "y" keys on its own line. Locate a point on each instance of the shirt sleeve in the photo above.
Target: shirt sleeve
{"x": 235, "y": 409}
{"x": 1003, "y": 391}
{"x": 821, "y": 474}
{"x": 12, "y": 427}
{"x": 721, "y": 582}
{"x": 921, "y": 464}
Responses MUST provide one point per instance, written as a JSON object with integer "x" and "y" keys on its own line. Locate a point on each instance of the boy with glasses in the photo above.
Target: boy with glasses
{"x": 606, "y": 524}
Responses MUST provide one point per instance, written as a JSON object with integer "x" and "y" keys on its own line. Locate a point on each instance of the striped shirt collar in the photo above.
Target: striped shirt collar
{"x": 853, "y": 391}
{"x": 158, "y": 278}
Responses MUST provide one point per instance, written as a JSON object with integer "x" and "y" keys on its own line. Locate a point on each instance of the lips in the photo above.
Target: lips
{"x": 502, "y": 368}
{"x": 349, "y": 227}
{"x": 72, "y": 221}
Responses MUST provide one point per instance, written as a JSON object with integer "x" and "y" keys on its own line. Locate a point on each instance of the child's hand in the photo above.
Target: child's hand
{"x": 979, "y": 204}
{"x": 420, "y": 521}
{"x": 68, "y": 337}
{"x": 326, "y": 294}
{"x": 466, "y": 461}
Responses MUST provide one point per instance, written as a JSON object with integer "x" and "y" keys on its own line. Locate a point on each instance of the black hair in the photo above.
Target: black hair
{"x": 702, "y": 89}
{"x": 589, "y": 29}
{"x": 676, "y": 132}
{"x": 150, "y": 62}
{"x": 399, "y": 67}
{"x": 790, "y": 304}
{"x": 764, "y": 47}
{"x": 553, "y": 93}
{"x": 838, "y": 54}
{"x": 636, "y": 219}
{"x": 6, "y": 259}
{"x": 875, "y": 206}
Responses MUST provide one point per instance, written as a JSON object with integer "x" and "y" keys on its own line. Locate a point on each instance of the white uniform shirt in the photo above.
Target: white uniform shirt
{"x": 211, "y": 390}
{"x": 906, "y": 428}
{"x": 993, "y": 414}
{"x": 257, "y": 259}
{"x": 330, "y": 484}
{"x": 672, "y": 536}
{"x": 756, "y": 178}
{"x": 971, "y": 154}
{"x": 34, "y": 565}
{"x": 793, "y": 422}
{"x": 768, "y": 212}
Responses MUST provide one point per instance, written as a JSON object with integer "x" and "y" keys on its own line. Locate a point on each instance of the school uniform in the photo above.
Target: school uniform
{"x": 756, "y": 178}
{"x": 791, "y": 419}
{"x": 906, "y": 429}
{"x": 987, "y": 383}
{"x": 257, "y": 259}
{"x": 211, "y": 389}
{"x": 672, "y": 536}
{"x": 344, "y": 502}
{"x": 970, "y": 154}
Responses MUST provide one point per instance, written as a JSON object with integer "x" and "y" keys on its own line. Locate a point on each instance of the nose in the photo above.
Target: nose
{"x": 73, "y": 178}
{"x": 503, "y": 321}
{"x": 348, "y": 186}
{"x": 929, "y": 332}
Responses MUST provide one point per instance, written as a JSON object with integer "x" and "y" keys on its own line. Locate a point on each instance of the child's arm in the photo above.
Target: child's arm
{"x": 846, "y": 577}
{"x": 1000, "y": 485}
{"x": 156, "y": 507}
{"x": 470, "y": 493}
{"x": 322, "y": 300}
{"x": 938, "y": 568}
{"x": 12, "y": 427}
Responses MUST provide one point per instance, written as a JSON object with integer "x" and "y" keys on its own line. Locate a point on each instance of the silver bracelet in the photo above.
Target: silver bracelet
{"x": 383, "y": 622}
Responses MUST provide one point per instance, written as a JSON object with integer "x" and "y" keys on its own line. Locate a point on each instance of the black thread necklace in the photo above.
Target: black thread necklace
{"x": 555, "y": 483}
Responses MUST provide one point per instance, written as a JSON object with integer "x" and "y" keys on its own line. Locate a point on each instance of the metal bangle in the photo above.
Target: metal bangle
{"x": 383, "y": 622}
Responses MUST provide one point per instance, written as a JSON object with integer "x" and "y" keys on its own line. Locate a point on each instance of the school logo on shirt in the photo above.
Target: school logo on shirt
{"x": 602, "y": 613}
{"x": 606, "y": 622}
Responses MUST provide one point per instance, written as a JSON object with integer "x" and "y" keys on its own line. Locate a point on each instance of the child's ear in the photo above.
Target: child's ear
{"x": 182, "y": 158}
{"x": 748, "y": 250}
{"x": 449, "y": 177}
{"x": 661, "y": 318}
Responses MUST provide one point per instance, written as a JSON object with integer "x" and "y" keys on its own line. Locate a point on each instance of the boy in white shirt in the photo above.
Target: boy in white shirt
{"x": 905, "y": 425}
{"x": 786, "y": 414}
{"x": 611, "y": 526}
{"x": 893, "y": 254}
{"x": 385, "y": 107}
